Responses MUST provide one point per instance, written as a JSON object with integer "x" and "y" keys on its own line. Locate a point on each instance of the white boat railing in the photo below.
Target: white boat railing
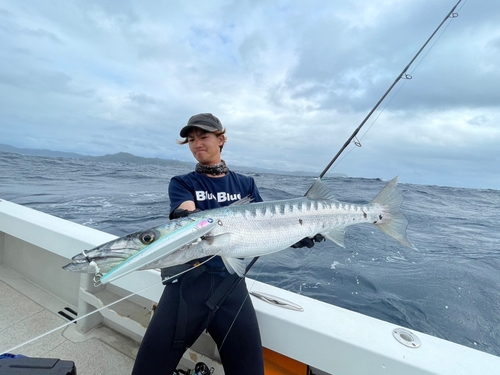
{"x": 326, "y": 337}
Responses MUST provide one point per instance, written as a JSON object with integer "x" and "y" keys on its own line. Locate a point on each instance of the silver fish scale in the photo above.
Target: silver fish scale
{"x": 263, "y": 228}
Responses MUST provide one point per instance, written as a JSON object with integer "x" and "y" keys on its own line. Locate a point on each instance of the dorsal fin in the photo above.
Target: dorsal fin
{"x": 319, "y": 190}
{"x": 245, "y": 200}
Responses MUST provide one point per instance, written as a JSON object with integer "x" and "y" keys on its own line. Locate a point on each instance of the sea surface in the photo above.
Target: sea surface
{"x": 448, "y": 288}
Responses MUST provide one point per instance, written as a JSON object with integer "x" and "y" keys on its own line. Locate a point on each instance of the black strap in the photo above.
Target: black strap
{"x": 226, "y": 287}
{"x": 214, "y": 302}
{"x": 223, "y": 290}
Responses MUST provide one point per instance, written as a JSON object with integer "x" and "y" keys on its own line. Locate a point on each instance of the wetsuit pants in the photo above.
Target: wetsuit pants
{"x": 233, "y": 327}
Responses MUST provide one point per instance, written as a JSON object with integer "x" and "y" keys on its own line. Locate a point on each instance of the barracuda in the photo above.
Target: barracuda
{"x": 244, "y": 230}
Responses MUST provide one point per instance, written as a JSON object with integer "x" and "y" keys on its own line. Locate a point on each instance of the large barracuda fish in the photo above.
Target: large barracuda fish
{"x": 243, "y": 230}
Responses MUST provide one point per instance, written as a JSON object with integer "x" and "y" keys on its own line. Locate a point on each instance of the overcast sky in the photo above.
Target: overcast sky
{"x": 290, "y": 80}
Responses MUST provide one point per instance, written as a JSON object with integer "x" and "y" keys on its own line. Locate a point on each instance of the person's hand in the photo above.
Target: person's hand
{"x": 180, "y": 212}
{"x": 308, "y": 242}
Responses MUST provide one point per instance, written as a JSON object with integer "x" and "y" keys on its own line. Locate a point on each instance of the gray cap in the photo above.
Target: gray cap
{"x": 205, "y": 121}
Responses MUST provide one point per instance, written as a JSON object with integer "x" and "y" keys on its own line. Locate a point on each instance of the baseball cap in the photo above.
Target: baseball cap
{"x": 205, "y": 121}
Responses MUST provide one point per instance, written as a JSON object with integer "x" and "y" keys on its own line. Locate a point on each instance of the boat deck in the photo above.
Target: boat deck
{"x": 27, "y": 311}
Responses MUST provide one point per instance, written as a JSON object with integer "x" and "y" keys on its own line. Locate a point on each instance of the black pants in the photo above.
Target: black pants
{"x": 234, "y": 328}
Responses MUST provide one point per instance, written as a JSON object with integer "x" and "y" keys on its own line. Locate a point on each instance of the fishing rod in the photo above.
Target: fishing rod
{"x": 403, "y": 74}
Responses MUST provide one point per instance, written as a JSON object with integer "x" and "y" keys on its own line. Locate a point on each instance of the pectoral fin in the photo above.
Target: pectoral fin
{"x": 337, "y": 235}
{"x": 235, "y": 265}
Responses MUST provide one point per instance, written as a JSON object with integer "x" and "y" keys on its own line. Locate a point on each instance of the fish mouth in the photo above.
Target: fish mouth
{"x": 85, "y": 262}
{"x": 96, "y": 256}
{"x": 84, "y": 266}
{"x": 79, "y": 267}
{"x": 105, "y": 257}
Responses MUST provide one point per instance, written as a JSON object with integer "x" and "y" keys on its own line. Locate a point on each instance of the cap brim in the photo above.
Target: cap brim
{"x": 186, "y": 129}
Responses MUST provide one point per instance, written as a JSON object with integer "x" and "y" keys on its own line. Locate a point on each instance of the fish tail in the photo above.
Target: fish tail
{"x": 396, "y": 226}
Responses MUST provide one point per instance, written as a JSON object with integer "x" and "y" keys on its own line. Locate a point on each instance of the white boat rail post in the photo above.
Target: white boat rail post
{"x": 2, "y": 246}
{"x": 84, "y": 308}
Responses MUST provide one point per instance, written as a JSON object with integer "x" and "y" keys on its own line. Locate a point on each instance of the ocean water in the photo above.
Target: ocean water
{"x": 447, "y": 288}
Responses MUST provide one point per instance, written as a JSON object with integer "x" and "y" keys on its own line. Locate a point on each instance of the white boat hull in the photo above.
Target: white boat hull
{"x": 330, "y": 339}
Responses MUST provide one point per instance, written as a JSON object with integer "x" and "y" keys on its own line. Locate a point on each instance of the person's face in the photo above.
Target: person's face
{"x": 205, "y": 146}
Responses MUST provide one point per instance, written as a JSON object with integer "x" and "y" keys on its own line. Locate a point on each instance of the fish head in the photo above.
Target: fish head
{"x": 112, "y": 253}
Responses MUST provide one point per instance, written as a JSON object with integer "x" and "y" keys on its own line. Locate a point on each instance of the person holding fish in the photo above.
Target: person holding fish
{"x": 207, "y": 297}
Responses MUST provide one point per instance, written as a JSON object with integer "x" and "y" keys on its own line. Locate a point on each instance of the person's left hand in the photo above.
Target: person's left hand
{"x": 308, "y": 242}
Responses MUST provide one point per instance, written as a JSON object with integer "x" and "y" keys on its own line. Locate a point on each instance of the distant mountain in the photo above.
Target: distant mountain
{"x": 38, "y": 152}
{"x": 125, "y": 157}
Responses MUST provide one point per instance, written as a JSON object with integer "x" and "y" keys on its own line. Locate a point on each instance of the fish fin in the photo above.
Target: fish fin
{"x": 396, "y": 227}
{"x": 235, "y": 265}
{"x": 232, "y": 264}
{"x": 245, "y": 200}
{"x": 319, "y": 190}
{"x": 337, "y": 235}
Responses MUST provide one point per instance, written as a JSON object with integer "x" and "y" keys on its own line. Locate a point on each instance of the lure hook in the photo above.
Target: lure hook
{"x": 97, "y": 279}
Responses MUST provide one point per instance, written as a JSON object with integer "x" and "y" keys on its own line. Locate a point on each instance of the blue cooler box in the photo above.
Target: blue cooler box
{"x": 19, "y": 365}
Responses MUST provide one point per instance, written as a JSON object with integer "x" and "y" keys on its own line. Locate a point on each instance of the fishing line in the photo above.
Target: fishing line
{"x": 452, "y": 15}
{"x": 80, "y": 318}
{"x": 407, "y": 76}
{"x": 104, "y": 307}
{"x": 239, "y": 310}
{"x": 356, "y": 141}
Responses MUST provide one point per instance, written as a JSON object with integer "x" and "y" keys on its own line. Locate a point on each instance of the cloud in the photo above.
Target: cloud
{"x": 290, "y": 81}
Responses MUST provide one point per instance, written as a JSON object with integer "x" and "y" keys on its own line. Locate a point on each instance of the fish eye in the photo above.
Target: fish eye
{"x": 147, "y": 237}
